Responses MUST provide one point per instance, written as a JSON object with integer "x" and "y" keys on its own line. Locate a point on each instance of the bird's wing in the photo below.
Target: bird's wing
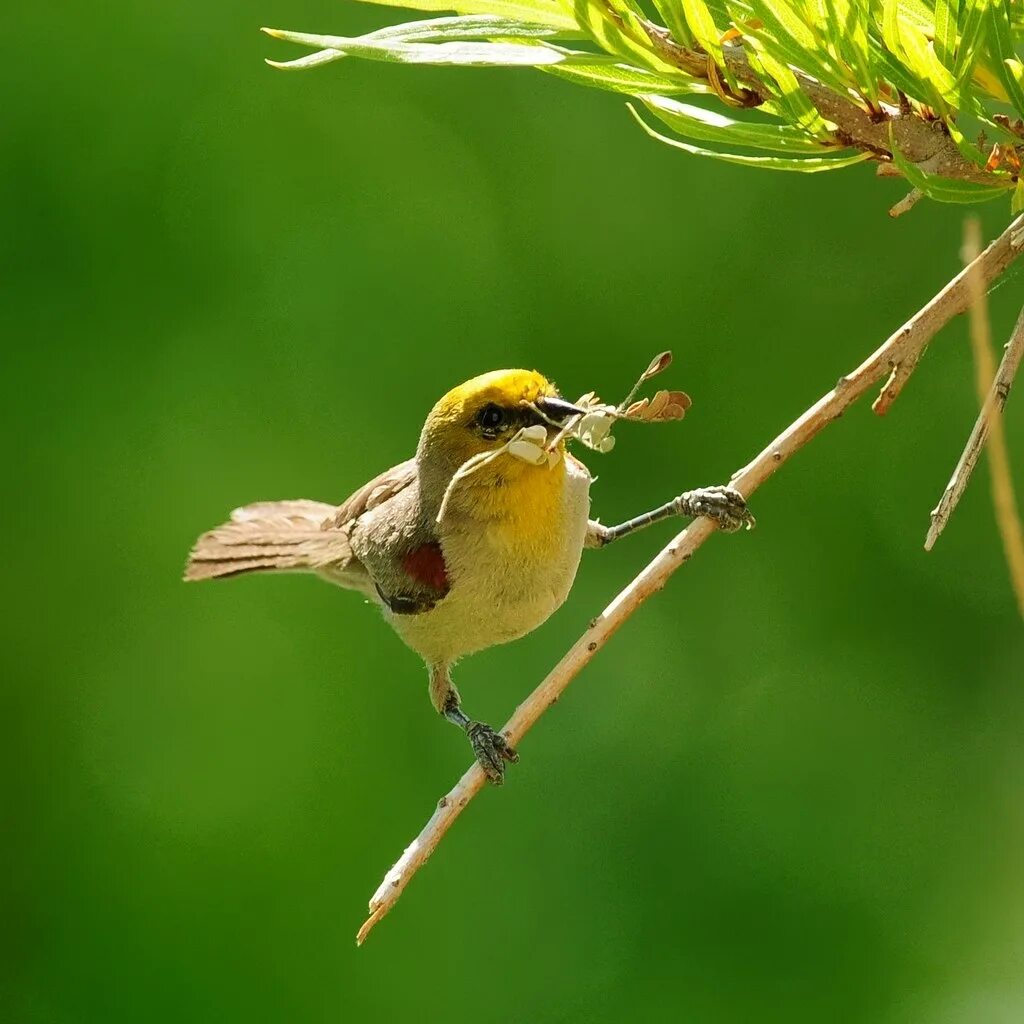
{"x": 380, "y": 489}
{"x": 396, "y": 545}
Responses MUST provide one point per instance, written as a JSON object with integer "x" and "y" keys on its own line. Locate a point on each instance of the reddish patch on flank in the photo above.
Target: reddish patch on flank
{"x": 425, "y": 564}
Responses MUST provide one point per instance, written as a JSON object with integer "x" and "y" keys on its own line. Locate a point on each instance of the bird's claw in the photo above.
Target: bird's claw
{"x": 725, "y": 505}
{"x": 492, "y": 751}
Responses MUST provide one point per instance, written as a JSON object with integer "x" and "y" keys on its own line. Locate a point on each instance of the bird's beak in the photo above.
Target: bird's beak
{"x": 558, "y": 409}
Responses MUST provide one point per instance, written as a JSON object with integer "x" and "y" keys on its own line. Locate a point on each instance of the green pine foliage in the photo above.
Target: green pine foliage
{"x": 779, "y": 79}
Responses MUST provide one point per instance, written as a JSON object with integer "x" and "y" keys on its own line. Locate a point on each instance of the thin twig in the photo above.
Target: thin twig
{"x": 993, "y": 386}
{"x": 909, "y": 340}
{"x": 1004, "y": 500}
{"x": 907, "y": 203}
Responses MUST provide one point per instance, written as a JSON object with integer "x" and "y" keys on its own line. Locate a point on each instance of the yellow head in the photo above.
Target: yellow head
{"x": 483, "y": 415}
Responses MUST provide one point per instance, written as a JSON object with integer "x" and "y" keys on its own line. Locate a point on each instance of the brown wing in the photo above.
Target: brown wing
{"x": 369, "y": 496}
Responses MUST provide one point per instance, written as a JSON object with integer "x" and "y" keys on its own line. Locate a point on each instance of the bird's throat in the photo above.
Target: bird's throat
{"x": 512, "y": 499}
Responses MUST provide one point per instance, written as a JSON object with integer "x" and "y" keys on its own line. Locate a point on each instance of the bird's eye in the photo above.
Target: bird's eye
{"x": 491, "y": 417}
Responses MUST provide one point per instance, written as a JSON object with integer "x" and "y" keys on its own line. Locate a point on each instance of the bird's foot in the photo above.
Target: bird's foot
{"x": 725, "y": 505}
{"x": 492, "y": 751}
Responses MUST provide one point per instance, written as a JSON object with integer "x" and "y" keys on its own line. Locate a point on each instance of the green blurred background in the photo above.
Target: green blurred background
{"x": 790, "y": 789}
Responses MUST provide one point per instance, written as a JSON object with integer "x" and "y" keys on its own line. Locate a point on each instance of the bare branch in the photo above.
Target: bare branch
{"x": 904, "y": 345}
{"x": 993, "y": 387}
{"x": 1004, "y": 500}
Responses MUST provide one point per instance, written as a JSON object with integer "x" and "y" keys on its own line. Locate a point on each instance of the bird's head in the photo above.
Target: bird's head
{"x": 483, "y": 415}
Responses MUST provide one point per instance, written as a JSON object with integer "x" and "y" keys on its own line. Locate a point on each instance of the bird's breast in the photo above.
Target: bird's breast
{"x": 509, "y": 567}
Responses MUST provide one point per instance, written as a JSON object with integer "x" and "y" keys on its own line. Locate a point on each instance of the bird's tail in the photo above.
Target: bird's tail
{"x": 270, "y": 536}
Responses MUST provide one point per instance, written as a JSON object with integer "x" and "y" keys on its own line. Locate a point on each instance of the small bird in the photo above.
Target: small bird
{"x": 457, "y": 561}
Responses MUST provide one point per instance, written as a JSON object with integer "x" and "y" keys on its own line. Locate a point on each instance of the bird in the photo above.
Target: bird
{"x": 464, "y": 546}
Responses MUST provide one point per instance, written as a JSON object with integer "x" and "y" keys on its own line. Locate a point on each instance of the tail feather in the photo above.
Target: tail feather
{"x": 270, "y": 536}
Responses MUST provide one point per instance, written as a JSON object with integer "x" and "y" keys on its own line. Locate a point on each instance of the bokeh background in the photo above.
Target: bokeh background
{"x": 789, "y": 790}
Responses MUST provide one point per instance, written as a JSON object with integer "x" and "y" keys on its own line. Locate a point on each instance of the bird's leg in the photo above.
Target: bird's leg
{"x": 725, "y": 505}
{"x": 492, "y": 750}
